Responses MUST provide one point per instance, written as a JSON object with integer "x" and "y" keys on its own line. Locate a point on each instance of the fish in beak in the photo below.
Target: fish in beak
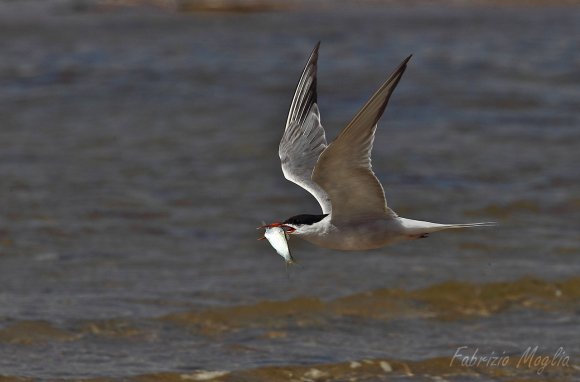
{"x": 287, "y": 229}
{"x": 277, "y": 236}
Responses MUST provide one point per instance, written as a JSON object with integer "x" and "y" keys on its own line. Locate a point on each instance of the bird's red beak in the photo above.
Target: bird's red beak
{"x": 276, "y": 224}
{"x": 285, "y": 227}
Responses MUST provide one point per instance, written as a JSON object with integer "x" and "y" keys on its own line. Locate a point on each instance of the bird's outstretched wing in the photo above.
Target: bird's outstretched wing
{"x": 304, "y": 140}
{"x": 344, "y": 169}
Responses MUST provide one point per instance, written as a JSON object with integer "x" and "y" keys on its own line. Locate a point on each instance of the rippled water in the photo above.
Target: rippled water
{"x": 138, "y": 152}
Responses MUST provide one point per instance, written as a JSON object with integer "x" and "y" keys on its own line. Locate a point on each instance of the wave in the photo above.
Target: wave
{"x": 449, "y": 300}
{"x": 374, "y": 370}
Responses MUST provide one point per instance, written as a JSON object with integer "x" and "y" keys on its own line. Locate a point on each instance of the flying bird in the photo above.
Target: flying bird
{"x": 355, "y": 214}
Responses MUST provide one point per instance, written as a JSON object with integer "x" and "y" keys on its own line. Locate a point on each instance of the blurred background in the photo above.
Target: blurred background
{"x": 138, "y": 152}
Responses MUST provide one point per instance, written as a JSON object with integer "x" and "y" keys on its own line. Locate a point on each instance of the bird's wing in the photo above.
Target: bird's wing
{"x": 304, "y": 140}
{"x": 344, "y": 169}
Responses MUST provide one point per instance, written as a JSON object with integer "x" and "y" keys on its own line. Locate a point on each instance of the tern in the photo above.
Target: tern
{"x": 355, "y": 215}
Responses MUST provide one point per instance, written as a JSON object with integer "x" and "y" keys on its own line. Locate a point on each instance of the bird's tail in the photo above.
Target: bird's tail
{"x": 417, "y": 227}
{"x": 468, "y": 225}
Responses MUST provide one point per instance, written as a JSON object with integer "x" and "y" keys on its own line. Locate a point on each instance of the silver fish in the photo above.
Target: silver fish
{"x": 278, "y": 239}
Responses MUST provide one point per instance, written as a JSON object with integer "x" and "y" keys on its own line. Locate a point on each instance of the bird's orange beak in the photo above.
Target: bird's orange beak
{"x": 276, "y": 224}
{"x": 287, "y": 229}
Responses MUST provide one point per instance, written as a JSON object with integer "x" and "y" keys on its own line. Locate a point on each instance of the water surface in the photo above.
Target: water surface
{"x": 138, "y": 152}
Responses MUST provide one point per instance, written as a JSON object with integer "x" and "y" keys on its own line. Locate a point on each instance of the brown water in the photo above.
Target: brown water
{"x": 138, "y": 152}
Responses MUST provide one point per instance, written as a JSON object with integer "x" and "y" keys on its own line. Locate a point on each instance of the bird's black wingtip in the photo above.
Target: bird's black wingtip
{"x": 403, "y": 65}
{"x": 316, "y": 48}
{"x": 314, "y": 54}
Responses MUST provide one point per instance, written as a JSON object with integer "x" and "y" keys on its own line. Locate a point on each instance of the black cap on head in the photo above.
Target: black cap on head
{"x": 304, "y": 219}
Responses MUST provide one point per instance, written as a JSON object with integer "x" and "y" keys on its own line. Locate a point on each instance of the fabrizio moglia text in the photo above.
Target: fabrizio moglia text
{"x": 529, "y": 359}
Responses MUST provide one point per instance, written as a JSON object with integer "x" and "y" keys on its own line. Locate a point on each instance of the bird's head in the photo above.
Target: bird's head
{"x": 296, "y": 224}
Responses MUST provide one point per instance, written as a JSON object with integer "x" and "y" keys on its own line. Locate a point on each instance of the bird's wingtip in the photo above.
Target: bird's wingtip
{"x": 316, "y": 48}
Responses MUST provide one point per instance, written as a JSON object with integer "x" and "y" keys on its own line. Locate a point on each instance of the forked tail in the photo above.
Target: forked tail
{"x": 418, "y": 227}
{"x": 468, "y": 225}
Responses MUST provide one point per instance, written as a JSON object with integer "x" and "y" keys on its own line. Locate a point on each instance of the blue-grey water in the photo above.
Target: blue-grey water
{"x": 138, "y": 152}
